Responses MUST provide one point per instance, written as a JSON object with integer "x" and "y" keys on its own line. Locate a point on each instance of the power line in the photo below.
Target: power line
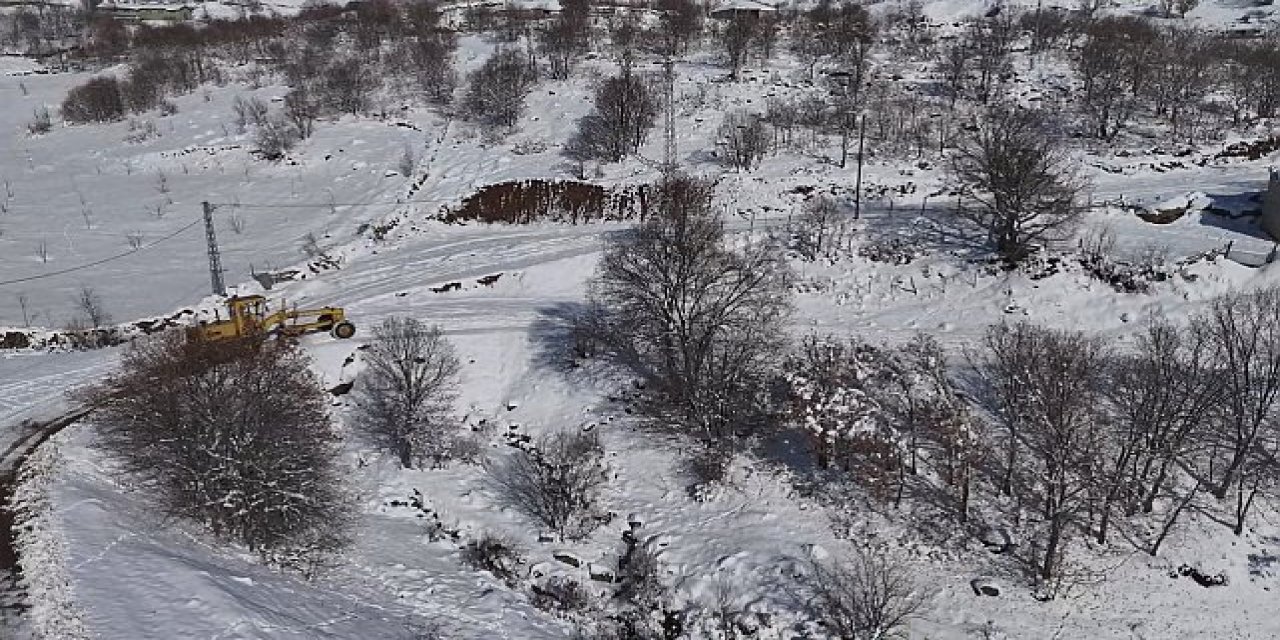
{"x": 281, "y": 205}
{"x": 98, "y": 262}
{"x": 317, "y": 205}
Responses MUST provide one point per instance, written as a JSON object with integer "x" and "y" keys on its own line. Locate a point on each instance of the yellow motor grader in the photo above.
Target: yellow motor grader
{"x": 251, "y": 315}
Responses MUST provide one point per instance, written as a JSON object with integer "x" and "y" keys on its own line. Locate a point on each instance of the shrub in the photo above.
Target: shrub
{"x": 557, "y": 483}
{"x": 234, "y": 435}
{"x": 561, "y": 594}
{"x": 41, "y": 122}
{"x": 494, "y": 554}
{"x": 275, "y": 137}
{"x": 97, "y": 100}
{"x": 868, "y": 595}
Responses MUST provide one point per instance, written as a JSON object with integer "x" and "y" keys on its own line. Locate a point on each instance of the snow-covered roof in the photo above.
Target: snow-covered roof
{"x": 742, "y": 5}
{"x": 539, "y": 5}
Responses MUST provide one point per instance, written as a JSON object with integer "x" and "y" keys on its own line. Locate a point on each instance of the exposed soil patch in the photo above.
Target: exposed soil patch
{"x": 527, "y": 201}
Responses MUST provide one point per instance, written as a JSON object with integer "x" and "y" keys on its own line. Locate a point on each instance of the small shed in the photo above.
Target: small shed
{"x": 730, "y": 9}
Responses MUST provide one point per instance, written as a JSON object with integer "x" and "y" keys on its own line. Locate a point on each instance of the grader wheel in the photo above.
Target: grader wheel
{"x": 343, "y": 330}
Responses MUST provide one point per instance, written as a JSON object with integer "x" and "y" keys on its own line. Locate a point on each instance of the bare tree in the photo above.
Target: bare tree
{"x": 928, "y": 408}
{"x": 1244, "y": 331}
{"x": 989, "y": 41}
{"x": 432, "y": 58}
{"x": 867, "y": 595}
{"x": 301, "y": 109}
{"x": 1251, "y": 75}
{"x": 953, "y": 65}
{"x": 496, "y": 91}
{"x": 624, "y": 34}
{"x": 562, "y": 42}
{"x": 699, "y": 321}
{"x": 90, "y": 304}
{"x": 249, "y": 112}
{"x": 275, "y": 136}
{"x": 820, "y": 229}
{"x": 1019, "y": 180}
{"x": 844, "y": 114}
{"x": 24, "y": 305}
{"x": 234, "y": 435}
{"x": 1046, "y": 388}
{"x": 840, "y": 34}
{"x": 1182, "y": 73}
{"x": 347, "y": 84}
{"x": 625, "y": 112}
{"x": 1113, "y": 65}
{"x": 557, "y": 482}
{"x": 406, "y": 392}
{"x": 1166, "y": 394}
{"x": 737, "y": 38}
{"x": 745, "y": 138}
{"x": 679, "y": 25}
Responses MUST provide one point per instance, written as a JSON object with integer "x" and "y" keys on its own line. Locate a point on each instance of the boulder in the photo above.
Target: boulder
{"x": 567, "y": 558}
{"x": 985, "y": 587}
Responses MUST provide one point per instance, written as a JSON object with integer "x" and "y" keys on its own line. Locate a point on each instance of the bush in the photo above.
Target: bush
{"x": 557, "y": 483}
{"x": 41, "y": 122}
{"x": 561, "y": 594}
{"x": 97, "y": 100}
{"x": 407, "y": 391}
{"x": 275, "y": 137}
{"x": 868, "y": 595}
{"x": 234, "y": 435}
{"x": 641, "y": 585}
{"x": 494, "y": 554}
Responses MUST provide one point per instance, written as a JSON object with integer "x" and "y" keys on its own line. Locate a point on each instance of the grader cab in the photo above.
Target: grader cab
{"x": 251, "y": 315}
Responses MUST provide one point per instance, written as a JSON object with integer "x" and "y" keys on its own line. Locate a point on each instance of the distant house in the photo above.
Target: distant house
{"x": 730, "y": 9}
{"x": 479, "y": 13}
{"x": 1271, "y": 205}
{"x": 147, "y": 12}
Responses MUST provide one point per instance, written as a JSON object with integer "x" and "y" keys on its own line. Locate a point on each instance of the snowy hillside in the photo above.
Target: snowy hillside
{"x": 102, "y": 228}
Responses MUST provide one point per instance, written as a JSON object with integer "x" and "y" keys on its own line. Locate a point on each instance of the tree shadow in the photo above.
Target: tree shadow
{"x": 931, "y": 228}
{"x": 1236, "y": 212}
{"x": 553, "y": 336}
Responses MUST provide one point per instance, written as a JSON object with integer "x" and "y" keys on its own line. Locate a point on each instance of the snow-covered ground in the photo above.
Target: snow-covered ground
{"x": 105, "y": 566}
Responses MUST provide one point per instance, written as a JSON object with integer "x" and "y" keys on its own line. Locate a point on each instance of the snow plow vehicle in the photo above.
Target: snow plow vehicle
{"x": 251, "y": 315}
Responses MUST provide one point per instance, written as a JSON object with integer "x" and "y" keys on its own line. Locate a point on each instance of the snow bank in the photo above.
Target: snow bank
{"x": 42, "y": 549}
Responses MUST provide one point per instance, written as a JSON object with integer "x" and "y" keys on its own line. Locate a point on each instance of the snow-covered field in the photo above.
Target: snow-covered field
{"x": 87, "y": 208}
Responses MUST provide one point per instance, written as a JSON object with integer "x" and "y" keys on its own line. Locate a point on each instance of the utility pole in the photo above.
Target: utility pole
{"x": 857, "y": 191}
{"x": 669, "y": 129}
{"x": 215, "y": 260}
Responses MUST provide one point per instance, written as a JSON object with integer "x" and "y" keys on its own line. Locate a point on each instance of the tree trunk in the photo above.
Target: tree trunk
{"x": 1173, "y": 517}
{"x": 406, "y": 454}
